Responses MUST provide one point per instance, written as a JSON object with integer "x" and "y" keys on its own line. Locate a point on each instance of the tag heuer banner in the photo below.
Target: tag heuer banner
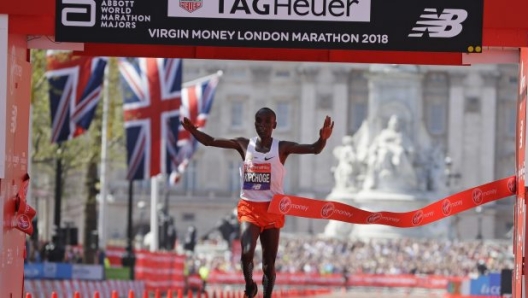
{"x": 406, "y": 25}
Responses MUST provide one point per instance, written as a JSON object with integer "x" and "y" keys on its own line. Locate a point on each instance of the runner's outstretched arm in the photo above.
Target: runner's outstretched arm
{"x": 238, "y": 144}
{"x": 325, "y": 132}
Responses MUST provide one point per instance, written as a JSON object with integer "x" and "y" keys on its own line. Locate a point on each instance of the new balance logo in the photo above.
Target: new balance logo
{"x": 444, "y": 25}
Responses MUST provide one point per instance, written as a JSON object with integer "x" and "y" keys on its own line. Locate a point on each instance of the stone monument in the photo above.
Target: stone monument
{"x": 390, "y": 163}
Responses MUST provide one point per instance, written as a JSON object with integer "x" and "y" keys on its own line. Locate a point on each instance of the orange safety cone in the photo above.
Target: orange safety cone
{"x": 157, "y": 294}
{"x": 189, "y": 293}
{"x": 180, "y": 293}
{"x": 131, "y": 294}
{"x": 96, "y": 294}
{"x": 28, "y": 295}
{"x": 115, "y": 294}
{"x": 145, "y": 294}
{"x": 169, "y": 293}
{"x": 76, "y": 295}
{"x": 54, "y": 295}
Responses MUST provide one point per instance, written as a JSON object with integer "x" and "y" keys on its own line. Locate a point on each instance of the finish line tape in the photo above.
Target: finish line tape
{"x": 451, "y": 205}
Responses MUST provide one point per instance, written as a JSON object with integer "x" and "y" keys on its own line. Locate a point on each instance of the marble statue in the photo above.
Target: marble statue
{"x": 390, "y": 160}
{"x": 344, "y": 172}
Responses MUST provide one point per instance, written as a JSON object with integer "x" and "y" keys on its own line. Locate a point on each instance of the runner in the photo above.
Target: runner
{"x": 262, "y": 175}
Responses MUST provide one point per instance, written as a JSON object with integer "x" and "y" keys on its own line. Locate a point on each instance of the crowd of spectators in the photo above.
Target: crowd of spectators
{"x": 389, "y": 256}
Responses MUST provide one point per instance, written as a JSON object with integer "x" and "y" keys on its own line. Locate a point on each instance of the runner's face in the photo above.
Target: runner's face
{"x": 264, "y": 124}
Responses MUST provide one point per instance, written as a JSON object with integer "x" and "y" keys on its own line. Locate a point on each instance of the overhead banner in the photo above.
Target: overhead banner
{"x": 407, "y": 25}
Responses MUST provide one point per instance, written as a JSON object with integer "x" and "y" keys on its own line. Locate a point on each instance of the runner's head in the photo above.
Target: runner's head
{"x": 265, "y": 122}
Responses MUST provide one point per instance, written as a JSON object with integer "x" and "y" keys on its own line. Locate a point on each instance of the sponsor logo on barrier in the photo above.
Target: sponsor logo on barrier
{"x": 191, "y": 5}
{"x": 446, "y": 207}
{"x": 15, "y": 72}
{"x": 327, "y": 210}
{"x": 14, "y": 115}
{"x": 335, "y": 10}
{"x": 373, "y": 218}
{"x": 79, "y": 13}
{"x": 447, "y": 24}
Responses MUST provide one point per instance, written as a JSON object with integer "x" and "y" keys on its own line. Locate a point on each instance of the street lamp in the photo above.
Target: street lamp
{"x": 451, "y": 180}
{"x": 141, "y": 206}
{"x": 479, "y": 218}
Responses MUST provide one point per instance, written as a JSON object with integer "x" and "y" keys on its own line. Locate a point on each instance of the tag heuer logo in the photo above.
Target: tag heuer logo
{"x": 191, "y": 5}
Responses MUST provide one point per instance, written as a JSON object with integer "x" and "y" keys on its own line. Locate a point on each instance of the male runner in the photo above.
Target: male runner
{"x": 262, "y": 175}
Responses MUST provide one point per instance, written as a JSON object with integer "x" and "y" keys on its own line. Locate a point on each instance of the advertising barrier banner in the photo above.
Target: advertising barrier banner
{"x": 63, "y": 271}
{"x": 408, "y": 25}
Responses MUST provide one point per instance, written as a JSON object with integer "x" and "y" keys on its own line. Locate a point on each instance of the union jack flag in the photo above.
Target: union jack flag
{"x": 75, "y": 84}
{"x": 197, "y": 100}
{"x": 152, "y": 100}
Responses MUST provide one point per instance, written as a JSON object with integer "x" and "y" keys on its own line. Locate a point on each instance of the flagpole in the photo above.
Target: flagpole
{"x": 154, "y": 199}
{"x": 101, "y": 222}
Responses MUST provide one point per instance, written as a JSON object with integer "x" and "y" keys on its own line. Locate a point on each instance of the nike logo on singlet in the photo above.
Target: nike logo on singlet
{"x": 268, "y": 158}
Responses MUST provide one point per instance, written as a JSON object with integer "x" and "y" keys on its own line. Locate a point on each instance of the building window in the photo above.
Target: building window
{"x": 436, "y": 118}
{"x": 358, "y": 114}
{"x": 472, "y": 105}
{"x": 237, "y": 111}
{"x": 283, "y": 115}
{"x": 188, "y": 216}
{"x": 189, "y": 180}
{"x": 234, "y": 176}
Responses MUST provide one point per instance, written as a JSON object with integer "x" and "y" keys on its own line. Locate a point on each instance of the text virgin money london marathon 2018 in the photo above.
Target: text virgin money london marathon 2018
{"x": 266, "y": 36}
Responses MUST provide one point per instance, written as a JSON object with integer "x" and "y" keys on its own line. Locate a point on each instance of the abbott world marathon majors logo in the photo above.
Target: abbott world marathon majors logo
{"x": 285, "y": 205}
{"x": 306, "y": 10}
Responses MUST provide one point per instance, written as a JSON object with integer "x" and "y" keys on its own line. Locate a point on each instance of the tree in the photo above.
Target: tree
{"x": 79, "y": 154}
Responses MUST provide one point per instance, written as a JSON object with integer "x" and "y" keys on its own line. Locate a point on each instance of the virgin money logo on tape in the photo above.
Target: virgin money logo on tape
{"x": 285, "y": 205}
{"x": 477, "y": 196}
{"x": 417, "y": 217}
{"x": 327, "y": 210}
{"x": 512, "y": 185}
{"x": 374, "y": 218}
{"x": 446, "y": 207}
{"x": 23, "y": 222}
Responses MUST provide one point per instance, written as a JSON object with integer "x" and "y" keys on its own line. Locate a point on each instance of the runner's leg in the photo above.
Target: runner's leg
{"x": 248, "y": 239}
{"x": 269, "y": 240}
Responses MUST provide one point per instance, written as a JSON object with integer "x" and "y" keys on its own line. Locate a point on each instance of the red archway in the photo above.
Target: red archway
{"x": 31, "y": 24}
